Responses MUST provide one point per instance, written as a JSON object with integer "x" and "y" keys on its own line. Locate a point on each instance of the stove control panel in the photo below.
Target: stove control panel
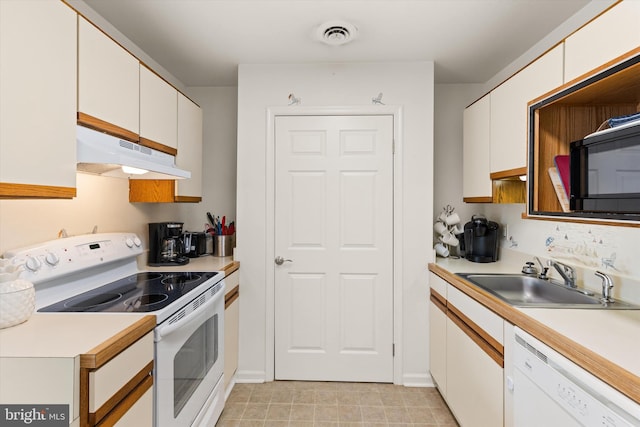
{"x": 57, "y": 258}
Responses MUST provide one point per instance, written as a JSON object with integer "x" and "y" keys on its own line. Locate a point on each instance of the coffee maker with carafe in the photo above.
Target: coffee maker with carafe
{"x": 165, "y": 244}
{"x": 481, "y": 239}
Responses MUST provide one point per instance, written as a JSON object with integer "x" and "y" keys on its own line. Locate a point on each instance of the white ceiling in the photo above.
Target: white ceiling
{"x": 201, "y": 42}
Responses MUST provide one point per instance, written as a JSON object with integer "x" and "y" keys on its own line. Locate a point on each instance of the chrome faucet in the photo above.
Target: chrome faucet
{"x": 607, "y": 285}
{"x": 543, "y": 269}
{"x": 567, "y": 272}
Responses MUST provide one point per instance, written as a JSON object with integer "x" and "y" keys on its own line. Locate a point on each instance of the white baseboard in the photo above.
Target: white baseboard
{"x": 417, "y": 380}
{"x": 250, "y": 377}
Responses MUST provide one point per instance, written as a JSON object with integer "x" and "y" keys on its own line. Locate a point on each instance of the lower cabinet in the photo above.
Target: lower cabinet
{"x": 467, "y": 356}
{"x": 118, "y": 392}
{"x": 231, "y": 328}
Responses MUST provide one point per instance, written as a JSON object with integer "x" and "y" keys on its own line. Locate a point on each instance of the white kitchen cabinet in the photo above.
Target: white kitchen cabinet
{"x": 476, "y": 182}
{"x": 108, "y": 84}
{"x": 509, "y": 114}
{"x": 610, "y": 35}
{"x": 438, "y": 333}
{"x": 474, "y": 381}
{"x": 231, "y": 328}
{"x": 158, "y": 112}
{"x": 189, "y": 147}
{"x": 38, "y": 99}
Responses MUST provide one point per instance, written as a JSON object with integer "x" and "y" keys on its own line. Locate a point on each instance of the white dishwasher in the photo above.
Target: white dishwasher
{"x": 549, "y": 390}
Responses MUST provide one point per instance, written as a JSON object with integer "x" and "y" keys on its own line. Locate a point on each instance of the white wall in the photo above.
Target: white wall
{"x": 409, "y": 85}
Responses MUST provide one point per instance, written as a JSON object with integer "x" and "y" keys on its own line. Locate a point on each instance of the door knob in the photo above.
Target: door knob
{"x": 279, "y": 260}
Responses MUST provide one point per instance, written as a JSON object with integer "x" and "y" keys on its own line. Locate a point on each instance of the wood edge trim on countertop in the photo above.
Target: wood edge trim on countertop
{"x": 103, "y": 126}
{"x": 231, "y": 296}
{"x": 614, "y": 375}
{"x": 146, "y": 142}
{"x": 102, "y": 353}
{"x": 438, "y": 300}
{"x": 120, "y": 397}
{"x": 510, "y": 173}
{"x": 231, "y": 267}
{"x": 127, "y": 403}
{"x": 487, "y": 199}
{"x": 477, "y": 338}
{"x": 33, "y": 191}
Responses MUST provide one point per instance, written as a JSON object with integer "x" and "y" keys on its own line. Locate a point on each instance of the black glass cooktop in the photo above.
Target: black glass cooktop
{"x": 141, "y": 292}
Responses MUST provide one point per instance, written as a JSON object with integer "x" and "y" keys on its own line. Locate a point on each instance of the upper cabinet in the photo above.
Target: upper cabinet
{"x": 508, "y": 119}
{"x": 476, "y": 183}
{"x": 189, "y": 157}
{"x": 38, "y": 99}
{"x": 612, "y": 34}
{"x": 189, "y": 149}
{"x": 158, "y": 112}
{"x": 108, "y": 84}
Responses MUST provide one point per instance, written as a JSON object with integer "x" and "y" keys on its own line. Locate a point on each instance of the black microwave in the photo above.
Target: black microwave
{"x": 605, "y": 172}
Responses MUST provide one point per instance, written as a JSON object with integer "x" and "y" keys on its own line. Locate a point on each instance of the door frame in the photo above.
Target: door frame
{"x": 386, "y": 110}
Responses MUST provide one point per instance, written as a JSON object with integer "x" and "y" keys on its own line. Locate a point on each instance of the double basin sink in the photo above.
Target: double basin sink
{"x": 523, "y": 290}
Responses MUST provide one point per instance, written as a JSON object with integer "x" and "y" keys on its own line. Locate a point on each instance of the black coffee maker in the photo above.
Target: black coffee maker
{"x": 165, "y": 244}
{"x": 481, "y": 240}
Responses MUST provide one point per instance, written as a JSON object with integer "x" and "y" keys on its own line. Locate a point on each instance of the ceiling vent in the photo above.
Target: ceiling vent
{"x": 335, "y": 33}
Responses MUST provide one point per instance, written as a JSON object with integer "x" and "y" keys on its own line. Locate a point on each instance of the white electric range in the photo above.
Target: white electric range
{"x": 99, "y": 273}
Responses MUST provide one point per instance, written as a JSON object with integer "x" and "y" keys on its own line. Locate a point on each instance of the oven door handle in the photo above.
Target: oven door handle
{"x": 200, "y": 312}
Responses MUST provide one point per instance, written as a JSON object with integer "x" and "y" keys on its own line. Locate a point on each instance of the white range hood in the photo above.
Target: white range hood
{"x": 102, "y": 154}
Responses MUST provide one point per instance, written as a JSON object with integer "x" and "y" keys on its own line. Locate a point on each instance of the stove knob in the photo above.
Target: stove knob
{"x": 52, "y": 259}
{"x": 137, "y": 241}
{"x": 129, "y": 242}
{"x": 33, "y": 264}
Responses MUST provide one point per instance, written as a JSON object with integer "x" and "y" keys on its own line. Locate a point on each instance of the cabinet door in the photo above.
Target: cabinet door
{"x": 438, "y": 346}
{"x": 158, "y": 112}
{"x": 38, "y": 96}
{"x": 231, "y": 327}
{"x": 614, "y": 33}
{"x": 108, "y": 83}
{"x": 189, "y": 148}
{"x": 474, "y": 382}
{"x": 476, "y": 183}
{"x": 509, "y": 131}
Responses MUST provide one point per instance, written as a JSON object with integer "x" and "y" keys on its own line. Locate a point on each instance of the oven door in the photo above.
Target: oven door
{"x": 189, "y": 363}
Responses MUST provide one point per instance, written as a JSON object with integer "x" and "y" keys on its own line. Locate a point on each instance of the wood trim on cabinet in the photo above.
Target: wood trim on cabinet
{"x": 143, "y": 379}
{"x": 30, "y": 191}
{"x": 109, "y": 349}
{"x": 440, "y": 299}
{"x": 231, "y": 267}
{"x": 439, "y": 304}
{"x": 187, "y": 199}
{"x": 157, "y": 146}
{"x": 510, "y": 173}
{"x": 127, "y": 403}
{"x": 478, "y": 199}
{"x": 617, "y": 377}
{"x": 581, "y": 220}
{"x": 499, "y": 348}
{"x": 103, "y": 126}
{"x": 471, "y": 333}
{"x": 231, "y": 296}
{"x": 152, "y": 191}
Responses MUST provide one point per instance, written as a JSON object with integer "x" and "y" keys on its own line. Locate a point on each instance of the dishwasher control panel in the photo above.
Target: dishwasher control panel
{"x": 544, "y": 374}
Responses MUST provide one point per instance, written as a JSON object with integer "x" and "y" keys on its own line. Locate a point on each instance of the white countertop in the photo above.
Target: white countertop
{"x": 62, "y": 334}
{"x": 203, "y": 263}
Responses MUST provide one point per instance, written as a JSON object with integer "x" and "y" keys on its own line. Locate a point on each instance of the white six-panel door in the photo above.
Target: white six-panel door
{"x": 334, "y": 222}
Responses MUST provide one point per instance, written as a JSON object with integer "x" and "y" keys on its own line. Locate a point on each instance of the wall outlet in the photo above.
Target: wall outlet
{"x": 505, "y": 231}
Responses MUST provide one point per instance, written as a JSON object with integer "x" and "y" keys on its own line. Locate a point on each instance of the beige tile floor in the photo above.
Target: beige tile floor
{"x": 302, "y": 404}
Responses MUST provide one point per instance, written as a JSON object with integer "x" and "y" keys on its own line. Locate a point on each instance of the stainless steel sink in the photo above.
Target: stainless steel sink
{"x": 528, "y": 291}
